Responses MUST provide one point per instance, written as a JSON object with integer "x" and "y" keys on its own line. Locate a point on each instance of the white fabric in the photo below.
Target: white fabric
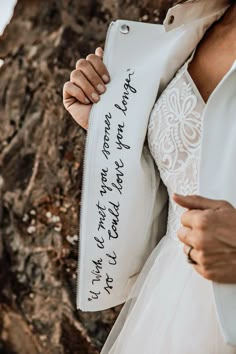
{"x": 171, "y": 308}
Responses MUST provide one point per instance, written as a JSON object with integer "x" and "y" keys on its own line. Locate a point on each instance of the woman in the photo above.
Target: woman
{"x": 162, "y": 318}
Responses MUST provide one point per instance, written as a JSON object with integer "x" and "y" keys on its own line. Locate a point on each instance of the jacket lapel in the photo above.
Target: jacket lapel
{"x": 217, "y": 178}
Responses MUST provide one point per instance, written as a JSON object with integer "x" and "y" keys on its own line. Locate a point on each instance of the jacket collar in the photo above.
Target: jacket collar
{"x": 191, "y": 11}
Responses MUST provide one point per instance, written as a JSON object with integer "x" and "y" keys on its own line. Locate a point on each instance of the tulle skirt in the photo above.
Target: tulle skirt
{"x": 170, "y": 310}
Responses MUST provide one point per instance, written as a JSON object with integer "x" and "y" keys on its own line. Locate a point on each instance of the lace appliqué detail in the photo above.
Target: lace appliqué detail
{"x": 174, "y": 138}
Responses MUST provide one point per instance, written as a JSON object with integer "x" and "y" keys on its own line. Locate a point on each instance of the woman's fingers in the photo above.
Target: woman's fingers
{"x": 72, "y": 92}
{"x": 78, "y": 78}
{"x": 99, "y": 52}
{"x": 92, "y": 76}
{"x": 99, "y": 67}
{"x": 86, "y": 83}
{"x": 76, "y": 103}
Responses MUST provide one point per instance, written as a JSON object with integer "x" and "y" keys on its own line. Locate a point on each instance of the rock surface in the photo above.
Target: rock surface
{"x": 41, "y": 158}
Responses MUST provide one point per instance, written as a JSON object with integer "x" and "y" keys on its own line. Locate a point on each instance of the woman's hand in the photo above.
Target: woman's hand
{"x": 209, "y": 226}
{"x": 86, "y": 83}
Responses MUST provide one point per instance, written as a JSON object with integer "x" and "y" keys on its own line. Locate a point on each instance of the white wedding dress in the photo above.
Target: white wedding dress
{"x": 171, "y": 309}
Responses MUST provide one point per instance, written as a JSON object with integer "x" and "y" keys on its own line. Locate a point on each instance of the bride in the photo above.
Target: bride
{"x": 171, "y": 309}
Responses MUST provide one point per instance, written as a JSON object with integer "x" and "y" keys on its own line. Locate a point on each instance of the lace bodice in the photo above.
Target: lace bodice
{"x": 174, "y": 138}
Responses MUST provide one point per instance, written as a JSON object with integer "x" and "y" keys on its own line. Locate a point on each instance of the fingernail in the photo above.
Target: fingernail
{"x": 101, "y": 88}
{"x": 86, "y": 100}
{"x": 105, "y": 78}
{"x": 95, "y": 97}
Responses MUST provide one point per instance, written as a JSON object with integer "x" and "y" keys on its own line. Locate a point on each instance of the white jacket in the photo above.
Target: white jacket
{"x": 124, "y": 202}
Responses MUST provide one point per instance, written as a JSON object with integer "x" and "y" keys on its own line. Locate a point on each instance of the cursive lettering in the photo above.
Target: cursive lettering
{"x": 119, "y": 180}
{"x": 120, "y": 137}
{"x": 100, "y": 242}
{"x": 103, "y": 216}
{"x": 106, "y": 138}
{"x": 108, "y": 286}
{"x": 104, "y": 187}
{"x": 126, "y": 94}
{"x": 95, "y": 295}
{"x": 97, "y": 270}
{"x": 112, "y": 259}
{"x": 115, "y": 220}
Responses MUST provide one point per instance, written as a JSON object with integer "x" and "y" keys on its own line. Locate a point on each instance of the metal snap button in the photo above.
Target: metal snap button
{"x": 124, "y": 29}
{"x": 171, "y": 20}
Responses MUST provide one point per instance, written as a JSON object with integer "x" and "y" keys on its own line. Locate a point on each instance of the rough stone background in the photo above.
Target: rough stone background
{"x": 41, "y": 158}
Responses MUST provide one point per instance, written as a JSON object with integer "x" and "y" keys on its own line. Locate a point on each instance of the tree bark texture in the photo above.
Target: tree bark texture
{"x": 41, "y": 161}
